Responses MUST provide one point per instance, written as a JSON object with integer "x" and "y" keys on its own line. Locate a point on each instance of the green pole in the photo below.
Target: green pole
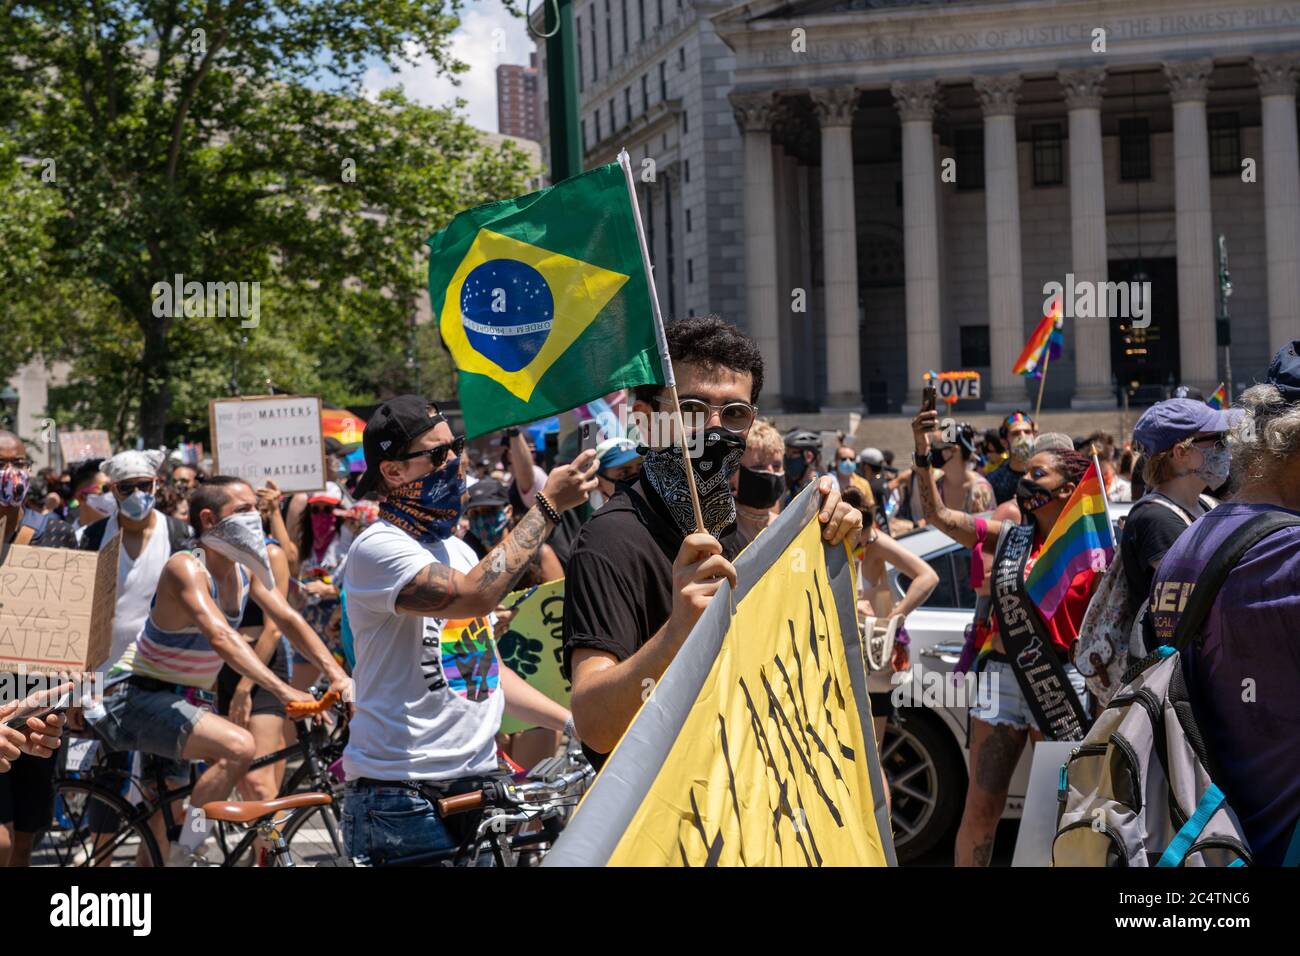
{"x": 562, "y": 90}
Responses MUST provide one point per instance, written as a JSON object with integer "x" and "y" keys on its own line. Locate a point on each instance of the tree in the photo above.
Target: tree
{"x": 229, "y": 141}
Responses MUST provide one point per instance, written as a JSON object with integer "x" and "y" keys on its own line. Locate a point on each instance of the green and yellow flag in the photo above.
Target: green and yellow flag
{"x": 543, "y": 302}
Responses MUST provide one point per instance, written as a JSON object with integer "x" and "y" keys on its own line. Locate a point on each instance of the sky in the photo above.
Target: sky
{"x": 488, "y": 35}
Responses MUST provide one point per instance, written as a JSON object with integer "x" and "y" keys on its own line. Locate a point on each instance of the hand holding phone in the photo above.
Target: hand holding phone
{"x": 929, "y": 398}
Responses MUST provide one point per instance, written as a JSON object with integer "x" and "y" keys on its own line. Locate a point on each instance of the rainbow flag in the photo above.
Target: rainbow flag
{"x": 1219, "y": 399}
{"x": 1082, "y": 538}
{"x": 1047, "y": 335}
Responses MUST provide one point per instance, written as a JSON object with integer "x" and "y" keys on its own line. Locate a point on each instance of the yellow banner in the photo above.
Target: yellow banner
{"x": 532, "y": 642}
{"x": 755, "y": 748}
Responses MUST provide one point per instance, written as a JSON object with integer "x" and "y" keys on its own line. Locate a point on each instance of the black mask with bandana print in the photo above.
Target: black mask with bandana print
{"x": 665, "y": 474}
{"x": 1030, "y": 495}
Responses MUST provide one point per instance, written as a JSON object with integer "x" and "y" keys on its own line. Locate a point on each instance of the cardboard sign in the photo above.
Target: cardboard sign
{"x": 954, "y": 386}
{"x": 1038, "y": 821}
{"x": 80, "y": 446}
{"x": 56, "y": 608}
{"x": 276, "y": 437}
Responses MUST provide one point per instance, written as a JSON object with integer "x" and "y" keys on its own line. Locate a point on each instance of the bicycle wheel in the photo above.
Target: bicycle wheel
{"x": 315, "y": 837}
{"x": 94, "y": 827}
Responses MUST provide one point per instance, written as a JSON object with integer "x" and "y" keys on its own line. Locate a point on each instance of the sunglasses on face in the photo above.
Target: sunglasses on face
{"x": 128, "y": 488}
{"x": 733, "y": 416}
{"x": 19, "y": 463}
{"x": 437, "y": 455}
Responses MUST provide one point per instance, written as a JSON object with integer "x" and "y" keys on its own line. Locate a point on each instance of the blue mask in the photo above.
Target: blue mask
{"x": 846, "y": 466}
{"x": 427, "y": 508}
{"x": 489, "y": 527}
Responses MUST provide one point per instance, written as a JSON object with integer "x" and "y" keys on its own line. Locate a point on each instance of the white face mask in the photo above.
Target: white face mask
{"x": 103, "y": 502}
{"x": 239, "y": 538}
{"x": 136, "y": 505}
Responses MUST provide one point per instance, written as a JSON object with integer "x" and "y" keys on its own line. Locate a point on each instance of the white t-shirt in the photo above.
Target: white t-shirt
{"x": 428, "y": 695}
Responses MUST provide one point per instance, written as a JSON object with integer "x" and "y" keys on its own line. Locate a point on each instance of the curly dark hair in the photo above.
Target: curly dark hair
{"x": 1072, "y": 464}
{"x": 714, "y": 343}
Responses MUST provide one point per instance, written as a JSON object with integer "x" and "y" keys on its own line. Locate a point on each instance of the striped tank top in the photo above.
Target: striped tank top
{"x": 180, "y": 657}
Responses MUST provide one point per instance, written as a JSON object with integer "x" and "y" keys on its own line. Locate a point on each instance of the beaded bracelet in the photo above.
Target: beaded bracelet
{"x": 547, "y": 509}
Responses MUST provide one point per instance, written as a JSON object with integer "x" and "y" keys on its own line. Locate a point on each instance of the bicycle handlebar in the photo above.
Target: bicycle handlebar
{"x": 298, "y": 710}
{"x": 513, "y": 796}
{"x": 461, "y": 803}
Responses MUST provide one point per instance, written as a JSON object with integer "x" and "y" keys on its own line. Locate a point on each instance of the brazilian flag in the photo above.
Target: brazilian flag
{"x": 542, "y": 301}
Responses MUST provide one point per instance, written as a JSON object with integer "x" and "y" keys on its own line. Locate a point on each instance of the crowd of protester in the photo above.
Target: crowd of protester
{"x": 343, "y": 584}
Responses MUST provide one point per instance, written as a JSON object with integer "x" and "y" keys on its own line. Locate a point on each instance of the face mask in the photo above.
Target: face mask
{"x": 14, "y": 483}
{"x": 1031, "y": 496}
{"x": 136, "y": 505}
{"x": 1021, "y": 448}
{"x": 428, "y": 508}
{"x": 103, "y": 502}
{"x": 1214, "y": 470}
{"x": 489, "y": 527}
{"x": 719, "y": 457}
{"x": 239, "y": 538}
{"x": 846, "y": 466}
{"x": 323, "y": 527}
{"x": 759, "y": 489}
{"x": 937, "y": 457}
{"x": 795, "y": 466}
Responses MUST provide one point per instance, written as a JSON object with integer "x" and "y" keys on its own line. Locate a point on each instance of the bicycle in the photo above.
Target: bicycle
{"x": 101, "y": 827}
{"x": 521, "y": 820}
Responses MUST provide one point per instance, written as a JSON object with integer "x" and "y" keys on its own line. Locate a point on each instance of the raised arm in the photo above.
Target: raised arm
{"x": 924, "y": 578}
{"x": 957, "y": 525}
{"x": 301, "y": 636}
{"x": 441, "y": 591}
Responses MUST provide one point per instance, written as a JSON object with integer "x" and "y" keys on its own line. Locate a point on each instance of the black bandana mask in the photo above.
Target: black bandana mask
{"x": 665, "y": 473}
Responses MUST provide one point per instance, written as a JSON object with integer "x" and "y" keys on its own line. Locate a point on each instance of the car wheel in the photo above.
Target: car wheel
{"x": 927, "y": 781}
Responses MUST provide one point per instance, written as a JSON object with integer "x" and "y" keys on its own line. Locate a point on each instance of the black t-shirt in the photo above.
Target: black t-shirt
{"x": 618, "y": 585}
{"x": 1004, "y": 481}
{"x": 1149, "y": 531}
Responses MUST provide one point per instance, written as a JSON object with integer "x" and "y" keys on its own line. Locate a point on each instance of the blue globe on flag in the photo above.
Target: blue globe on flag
{"x": 507, "y": 310}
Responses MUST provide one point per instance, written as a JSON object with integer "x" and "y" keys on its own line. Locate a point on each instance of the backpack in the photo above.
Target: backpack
{"x": 1110, "y": 635}
{"x": 1138, "y": 790}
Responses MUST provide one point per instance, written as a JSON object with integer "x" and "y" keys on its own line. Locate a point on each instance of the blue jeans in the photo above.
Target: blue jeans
{"x": 385, "y": 825}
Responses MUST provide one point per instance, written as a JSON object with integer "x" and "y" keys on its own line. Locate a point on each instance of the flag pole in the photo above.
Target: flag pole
{"x": 670, "y": 380}
{"x": 1047, "y": 358}
{"x": 1105, "y": 499}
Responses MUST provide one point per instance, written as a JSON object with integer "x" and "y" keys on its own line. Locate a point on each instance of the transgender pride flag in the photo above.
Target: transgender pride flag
{"x": 1082, "y": 538}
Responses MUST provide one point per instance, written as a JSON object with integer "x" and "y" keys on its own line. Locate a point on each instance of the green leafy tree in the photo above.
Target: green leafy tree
{"x": 231, "y": 141}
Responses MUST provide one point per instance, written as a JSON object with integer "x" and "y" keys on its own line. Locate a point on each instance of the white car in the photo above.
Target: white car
{"x": 925, "y": 755}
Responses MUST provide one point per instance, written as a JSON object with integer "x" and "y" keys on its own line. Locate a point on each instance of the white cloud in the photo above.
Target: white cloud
{"x": 488, "y": 36}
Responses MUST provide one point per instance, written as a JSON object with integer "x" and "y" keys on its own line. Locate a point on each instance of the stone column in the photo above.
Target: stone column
{"x": 915, "y": 100}
{"x": 755, "y": 113}
{"x": 1091, "y": 336}
{"x": 1188, "y": 85}
{"x": 1276, "y": 76}
{"x": 998, "y": 96}
{"x": 835, "y": 109}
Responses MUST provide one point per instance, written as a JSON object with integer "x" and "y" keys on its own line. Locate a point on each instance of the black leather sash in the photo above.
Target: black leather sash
{"x": 1030, "y": 650}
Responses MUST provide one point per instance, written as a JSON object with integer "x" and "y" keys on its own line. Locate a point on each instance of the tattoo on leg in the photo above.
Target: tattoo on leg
{"x": 983, "y": 852}
{"x": 997, "y": 758}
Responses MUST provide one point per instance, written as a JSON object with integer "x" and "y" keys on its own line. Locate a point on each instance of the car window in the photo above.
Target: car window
{"x": 954, "y": 590}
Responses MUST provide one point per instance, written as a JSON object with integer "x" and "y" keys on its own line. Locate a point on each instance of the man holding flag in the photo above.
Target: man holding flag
{"x": 1044, "y": 573}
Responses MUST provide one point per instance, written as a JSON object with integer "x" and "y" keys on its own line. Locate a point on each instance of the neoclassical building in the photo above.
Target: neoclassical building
{"x": 877, "y": 188}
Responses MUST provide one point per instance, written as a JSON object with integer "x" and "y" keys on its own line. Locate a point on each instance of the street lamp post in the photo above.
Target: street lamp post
{"x": 1223, "y": 335}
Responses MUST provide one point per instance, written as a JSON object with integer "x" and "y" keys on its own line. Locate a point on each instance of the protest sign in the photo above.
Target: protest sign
{"x": 56, "y": 608}
{"x": 755, "y": 748}
{"x": 532, "y": 644}
{"x": 80, "y": 446}
{"x": 952, "y": 387}
{"x": 275, "y": 437}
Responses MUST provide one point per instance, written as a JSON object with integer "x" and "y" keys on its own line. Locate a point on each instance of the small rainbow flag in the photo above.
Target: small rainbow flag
{"x": 1219, "y": 399}
{"x": 1082, "y": 538}
{"x": 1047, "y": 335}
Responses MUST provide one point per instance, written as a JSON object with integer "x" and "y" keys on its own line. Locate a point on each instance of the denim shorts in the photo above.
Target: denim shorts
{"x": 1007, "y": 704}
{"x": 383, "y": 825}
{"x": 151, "y": 721}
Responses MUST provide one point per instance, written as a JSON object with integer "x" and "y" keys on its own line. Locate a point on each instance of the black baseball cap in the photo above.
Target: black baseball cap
{"x": 487, "y": 493}
{"x": 1284, "y": 372}
{"x": 392, "y": 427}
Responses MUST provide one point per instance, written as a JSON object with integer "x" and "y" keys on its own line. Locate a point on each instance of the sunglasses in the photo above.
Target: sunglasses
{"x": 20, "y": 463}
{"x": 128, "y": 488}
{"x": 437, "y": 455}
{"x": 733, "y": 416}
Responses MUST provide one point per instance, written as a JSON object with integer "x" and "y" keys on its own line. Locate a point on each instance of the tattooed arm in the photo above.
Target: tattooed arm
{"x": 957, "y": 525}
{"x": 444, "y": 592}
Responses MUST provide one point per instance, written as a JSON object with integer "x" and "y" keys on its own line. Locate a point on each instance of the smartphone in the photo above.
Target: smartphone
{"x": 929, "y": 398}
{"x": 40, "y": 711}
{"x": 589, "y": 430}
